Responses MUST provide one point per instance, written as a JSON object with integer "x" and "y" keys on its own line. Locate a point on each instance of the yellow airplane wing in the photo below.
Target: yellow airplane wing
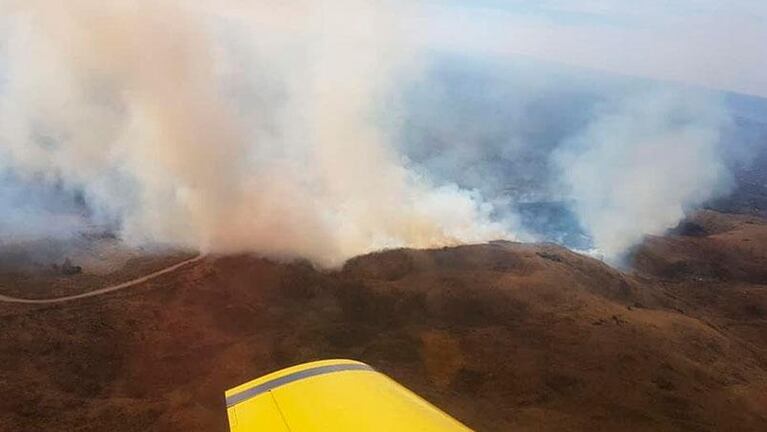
{"x": 331, "y": 395}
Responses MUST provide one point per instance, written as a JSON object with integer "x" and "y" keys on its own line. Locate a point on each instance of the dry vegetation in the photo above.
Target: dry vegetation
{"x": 504, "y": 336}
{"x": 39, "y": 269}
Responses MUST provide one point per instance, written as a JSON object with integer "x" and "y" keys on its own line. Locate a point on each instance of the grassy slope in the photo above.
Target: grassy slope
{"x": 504, "y": 336}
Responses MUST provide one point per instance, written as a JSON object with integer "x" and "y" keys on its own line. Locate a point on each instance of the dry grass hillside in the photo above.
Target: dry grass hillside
{"x": 504, "y": 336}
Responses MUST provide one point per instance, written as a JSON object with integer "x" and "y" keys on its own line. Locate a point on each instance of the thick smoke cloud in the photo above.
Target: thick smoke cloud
{"x": 250, "y": 127}
{"x": 638, "y": 166}
{"x": 321, "y": 129}
{"x": 583, "y": 158}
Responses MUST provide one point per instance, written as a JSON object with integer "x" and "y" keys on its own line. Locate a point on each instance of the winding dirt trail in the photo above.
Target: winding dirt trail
{"x": 104, "y": 290}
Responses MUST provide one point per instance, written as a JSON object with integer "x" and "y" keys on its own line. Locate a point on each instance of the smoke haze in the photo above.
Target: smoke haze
{"x": 324, "y": 130}
{"x": 582, "y": 158}
{"x": 638, "y": 167}
{"x": 224, "y": 131}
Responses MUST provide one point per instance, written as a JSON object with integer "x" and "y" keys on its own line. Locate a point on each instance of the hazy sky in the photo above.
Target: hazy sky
{"x": 720, "y": 44}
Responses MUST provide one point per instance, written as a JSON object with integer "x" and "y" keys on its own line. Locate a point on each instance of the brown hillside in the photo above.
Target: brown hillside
{"x": 504, "y": 336}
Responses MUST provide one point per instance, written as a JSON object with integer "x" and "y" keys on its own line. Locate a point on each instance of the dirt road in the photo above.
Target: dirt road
{"x": 104, "y": 290}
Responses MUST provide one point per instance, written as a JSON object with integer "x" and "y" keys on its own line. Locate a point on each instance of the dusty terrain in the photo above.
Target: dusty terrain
{"x": 504, "y": 336}
{"x": 37, "y": 269}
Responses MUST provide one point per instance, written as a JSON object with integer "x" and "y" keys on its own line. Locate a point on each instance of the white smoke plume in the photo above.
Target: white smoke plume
{"x": 277, "y": 128}
{"x": 250, "y": 126}
{"x": 641, "y": 163}
{"x": 586, "y": 159}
